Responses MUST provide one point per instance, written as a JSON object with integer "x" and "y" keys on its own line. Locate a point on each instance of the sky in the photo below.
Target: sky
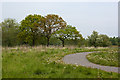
{"x": 85, "y": 16}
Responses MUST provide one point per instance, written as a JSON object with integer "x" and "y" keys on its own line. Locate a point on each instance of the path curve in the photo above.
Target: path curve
{"x": 80, "y": 59}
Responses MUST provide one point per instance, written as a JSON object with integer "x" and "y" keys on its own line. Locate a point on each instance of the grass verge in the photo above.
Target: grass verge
{"x": 106, "y": 58}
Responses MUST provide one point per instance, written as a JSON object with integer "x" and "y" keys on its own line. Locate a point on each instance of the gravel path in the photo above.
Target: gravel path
{"x": 80, "y": 59}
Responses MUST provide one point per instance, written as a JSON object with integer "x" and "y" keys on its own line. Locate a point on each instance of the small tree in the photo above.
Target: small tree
{"x": 114, "y": 40}
{"x": 103, "y": 40}
{"x": 98, "y": 40}
{"x": 68, "y": 33}
{"x": 93, "y": 39}
{"x": 9, "y": 32}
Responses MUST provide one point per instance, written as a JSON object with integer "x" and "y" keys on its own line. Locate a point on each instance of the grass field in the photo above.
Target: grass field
{"x": 107, "y": 58}
{"x": 42, "y": 62}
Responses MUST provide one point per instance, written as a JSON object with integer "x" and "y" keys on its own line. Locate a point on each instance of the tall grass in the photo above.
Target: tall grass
{"x": 46, "y": 62}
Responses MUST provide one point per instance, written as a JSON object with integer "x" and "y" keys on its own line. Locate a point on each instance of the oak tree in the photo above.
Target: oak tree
{"x": 28, "y": 31}
{"x": 68, "y": 33}
{"x": 53, "y": 23}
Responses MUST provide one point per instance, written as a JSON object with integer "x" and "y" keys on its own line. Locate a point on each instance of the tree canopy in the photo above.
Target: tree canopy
{"x": 99, "y": 40}
{"x": 52, "y": 24}
{"x": 9, "y": 32}
{"x": 68, "y": 33}
{"x": 49, "y": 30}
{"x": 93, "y": 39}
{"x": 29, "y": 31}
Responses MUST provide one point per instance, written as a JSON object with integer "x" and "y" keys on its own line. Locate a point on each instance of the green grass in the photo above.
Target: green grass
{"x": 41, "y": 62}
{"x": 107, "y": 58}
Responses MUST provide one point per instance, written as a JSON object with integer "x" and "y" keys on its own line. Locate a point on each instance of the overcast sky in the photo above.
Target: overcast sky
{"x": 85, "y": 16}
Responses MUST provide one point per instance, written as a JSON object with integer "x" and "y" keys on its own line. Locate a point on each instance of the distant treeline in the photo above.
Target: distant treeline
{"x": 49, "y": 30}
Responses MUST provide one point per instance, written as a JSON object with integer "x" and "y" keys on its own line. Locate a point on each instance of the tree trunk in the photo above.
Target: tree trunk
{"x": 34, "y": 37}
{"x": 95, "y": 46}
{"x": 33, "y": 42}
{"x": 63, "y": 43}
{"x": 48, "y": 40}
